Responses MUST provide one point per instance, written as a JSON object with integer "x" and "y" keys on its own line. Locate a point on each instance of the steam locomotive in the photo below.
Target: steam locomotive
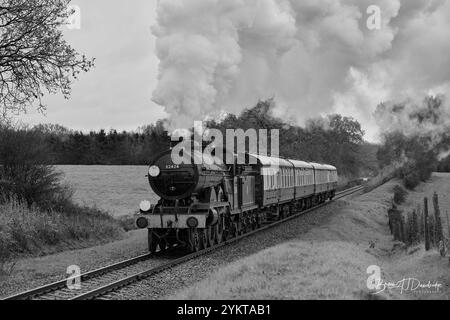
{"x": 205, "y": 204}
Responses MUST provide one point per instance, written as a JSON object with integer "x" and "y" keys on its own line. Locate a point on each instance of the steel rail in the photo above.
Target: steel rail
{"x": 62, "y": 284}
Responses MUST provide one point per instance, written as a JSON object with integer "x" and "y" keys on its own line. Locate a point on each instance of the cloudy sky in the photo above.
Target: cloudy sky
{"x": 117, "y": 92}
{"x": 213, "y": 56}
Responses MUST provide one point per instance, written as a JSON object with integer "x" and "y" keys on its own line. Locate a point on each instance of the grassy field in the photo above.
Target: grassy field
{"x": 115, "y": 189}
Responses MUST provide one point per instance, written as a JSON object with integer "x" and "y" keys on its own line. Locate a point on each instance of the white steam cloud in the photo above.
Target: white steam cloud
{"x": 429, "y": 120}
{"x": 314, "y": 56}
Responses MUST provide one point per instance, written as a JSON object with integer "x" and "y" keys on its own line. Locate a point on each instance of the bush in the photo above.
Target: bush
{"x": 32, "y": 184}
{"x": 23, "y": 173}
{"x": 399, "y": 194}
{"x": 411, "y": 181}
{"x": 30, "y": 230}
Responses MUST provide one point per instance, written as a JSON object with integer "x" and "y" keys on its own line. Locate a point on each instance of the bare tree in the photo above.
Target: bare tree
{"x": 34, "y": 57}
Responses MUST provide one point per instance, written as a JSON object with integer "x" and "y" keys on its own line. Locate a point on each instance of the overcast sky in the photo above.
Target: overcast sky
{"x": 117, "y": 92}
{"x": 315, "y": 56}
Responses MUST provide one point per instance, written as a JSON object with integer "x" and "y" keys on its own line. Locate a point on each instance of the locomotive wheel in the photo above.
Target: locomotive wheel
{"x": 257, "y": 222}
{"x": 232, "y": 233}
{"x": 204, "y": 238}
{"x": 219, "y": 231}
{"x": 152, "y": 241}
{"x": 254, "y": 223}
{"x": 195, "y": 240}
{"x": 171, "y": 242}
{"x": 211, "y": 231}
{"x": 163, "y": 244}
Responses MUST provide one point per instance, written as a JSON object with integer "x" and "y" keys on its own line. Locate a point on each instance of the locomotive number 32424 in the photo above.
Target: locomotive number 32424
{"x": 172, "y": 166}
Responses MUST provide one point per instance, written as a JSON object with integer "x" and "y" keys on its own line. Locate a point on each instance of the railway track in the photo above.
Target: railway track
{"x": 100, "y": 282}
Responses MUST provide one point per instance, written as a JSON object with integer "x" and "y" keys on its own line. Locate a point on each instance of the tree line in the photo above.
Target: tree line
{"x": 335, "y": 140}
{"x": 69, "y": 147}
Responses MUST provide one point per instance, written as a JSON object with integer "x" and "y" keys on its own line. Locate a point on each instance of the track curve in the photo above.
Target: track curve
{"x": 103, "y": 281}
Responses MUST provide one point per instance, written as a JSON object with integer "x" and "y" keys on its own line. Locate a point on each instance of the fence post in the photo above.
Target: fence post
{"x": 437, "y": 216}
{"x": 448, "y": 224}
{"x": 425, "y": 223}
{"x": 414, "y": 228}
{"x": 402, "y": 229}
{"x": 419, "y": 223}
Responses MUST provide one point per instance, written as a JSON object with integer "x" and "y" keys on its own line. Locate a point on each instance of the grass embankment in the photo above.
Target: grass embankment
{"x": 330, "y": 261}
{"x": 32, "y": 231}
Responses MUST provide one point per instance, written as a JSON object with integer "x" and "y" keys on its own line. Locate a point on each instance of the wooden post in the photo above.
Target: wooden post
{"x": 401, "y": 229}
{"x": 414, "y": 228}
{"x": 419, "y": 222}
{"x": 448, "y": 224}
{"x": 425, "y": 223}
{"x": 437, "y": 219}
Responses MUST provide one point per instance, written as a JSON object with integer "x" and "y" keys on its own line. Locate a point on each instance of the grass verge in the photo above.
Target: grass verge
{"x": 32, "y": 231}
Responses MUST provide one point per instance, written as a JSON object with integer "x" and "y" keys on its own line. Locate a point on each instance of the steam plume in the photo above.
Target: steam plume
{"x": 314, "y": 56}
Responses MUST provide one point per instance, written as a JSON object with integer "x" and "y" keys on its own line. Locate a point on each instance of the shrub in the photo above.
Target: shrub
{"x": 411, "y": 180}
{"x": 399, "y": 194}
{"x": 24, "y": 174}
{"x": 30, "y": 230}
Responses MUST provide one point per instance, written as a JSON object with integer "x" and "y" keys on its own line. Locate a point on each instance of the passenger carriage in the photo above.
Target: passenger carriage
{"x": 275, "y": 181}
{"x": 325, "y": 181}
{"x": 304, "y": 179}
